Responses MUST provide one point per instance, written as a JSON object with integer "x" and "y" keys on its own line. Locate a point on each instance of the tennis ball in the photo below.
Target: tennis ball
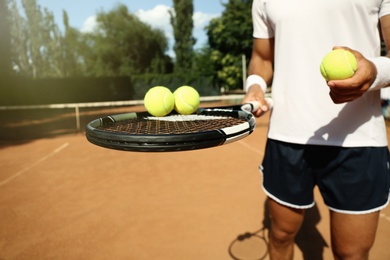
{"x": 186, "y": 100}
{"x": 338, "y": 64}
{"x": 159, "y": 101}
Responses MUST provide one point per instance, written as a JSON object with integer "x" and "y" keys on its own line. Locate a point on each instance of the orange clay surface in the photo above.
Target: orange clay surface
{"x": 64, "y": 198}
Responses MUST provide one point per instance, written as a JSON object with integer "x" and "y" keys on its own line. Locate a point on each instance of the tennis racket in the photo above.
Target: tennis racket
{"x": 141, "y": 132}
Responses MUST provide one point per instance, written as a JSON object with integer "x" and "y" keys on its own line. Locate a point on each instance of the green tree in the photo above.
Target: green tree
{"x": 230, "y": 37}
{"x": 51, "y": 47}
{"x": 5, "y": 40}
{"x": 182, "y": 23}
{"x": 123, "y": 45}
{"x": 73, "y": 46}
{"x": 35, "y": 40}
{"x": 203, "y": 62}
{"x": 19, "y": 50}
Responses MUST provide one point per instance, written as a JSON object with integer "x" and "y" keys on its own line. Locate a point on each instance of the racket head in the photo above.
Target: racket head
{"x": 141, "y": 132}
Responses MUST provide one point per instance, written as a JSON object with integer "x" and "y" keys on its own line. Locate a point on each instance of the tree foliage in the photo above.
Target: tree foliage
{"x": 5, "y": 40}
{"x": 121, "y": 44}
{"x": 182, "y": 23}
{"x": 73, "y": 49}
{"x": 124, "y": 45}
{"x": 230, "y": 37}
{"x": 35, "y": 38}
{"x": 232, "y": 32}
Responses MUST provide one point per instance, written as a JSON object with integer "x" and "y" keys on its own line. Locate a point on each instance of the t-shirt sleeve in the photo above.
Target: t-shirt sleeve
{"x": 261, "y": 25}
{"x": 384, "y": 8}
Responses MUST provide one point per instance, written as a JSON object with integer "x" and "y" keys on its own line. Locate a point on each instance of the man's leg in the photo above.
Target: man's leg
{"x": 353, "y": 235}
{"x": 285, "y": 224}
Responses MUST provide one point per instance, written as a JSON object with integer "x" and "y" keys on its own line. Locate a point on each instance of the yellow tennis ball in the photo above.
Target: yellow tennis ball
{"x": 338, "y": 64}
{"x": 159, "y": 101}
{"x": 186, "y": 100}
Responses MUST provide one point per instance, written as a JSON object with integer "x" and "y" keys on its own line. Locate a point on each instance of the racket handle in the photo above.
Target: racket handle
{"x": 270, "y": 102}
{"x": 252, "y": 106}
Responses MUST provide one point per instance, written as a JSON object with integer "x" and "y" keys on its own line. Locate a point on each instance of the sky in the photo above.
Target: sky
{"x": 154, "y": 12}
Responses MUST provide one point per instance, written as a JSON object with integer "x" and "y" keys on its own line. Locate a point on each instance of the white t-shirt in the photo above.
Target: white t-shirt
{"x": 385, "y": 93}
{"x": 304, "y": 31}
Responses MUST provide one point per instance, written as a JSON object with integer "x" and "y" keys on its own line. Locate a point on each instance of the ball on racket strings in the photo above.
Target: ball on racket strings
{"x": 338, "y": 64}
{"x": 187, "y": 100}
{"x": 159, "y": 101}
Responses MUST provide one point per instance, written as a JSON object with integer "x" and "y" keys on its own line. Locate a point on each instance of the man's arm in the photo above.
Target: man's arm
{"x": 261, "y": 64}
{"x": 385, "y": 26}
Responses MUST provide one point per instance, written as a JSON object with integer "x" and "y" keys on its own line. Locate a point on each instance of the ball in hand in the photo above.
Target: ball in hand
{"x": 338, "y": 64}
{"x": 186, "y": 100}
{"x": 159, "y": 101}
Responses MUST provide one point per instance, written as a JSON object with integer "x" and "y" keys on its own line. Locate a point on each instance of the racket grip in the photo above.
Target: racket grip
{"x": 252, "y": 106}
{"x": 270, "y": 102}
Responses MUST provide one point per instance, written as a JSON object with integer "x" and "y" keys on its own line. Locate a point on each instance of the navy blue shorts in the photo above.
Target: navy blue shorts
{"x": 351, "y": 180}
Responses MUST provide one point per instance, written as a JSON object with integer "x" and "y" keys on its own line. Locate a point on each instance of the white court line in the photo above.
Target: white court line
{"x": 250, "y": 147}
{"x": 17, "y": 174}
{"x": 382, "y": 215}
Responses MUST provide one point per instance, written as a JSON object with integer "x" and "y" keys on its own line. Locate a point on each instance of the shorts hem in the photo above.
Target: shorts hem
{"x": 284, "y": 203}
{"x": 362, "y": 212}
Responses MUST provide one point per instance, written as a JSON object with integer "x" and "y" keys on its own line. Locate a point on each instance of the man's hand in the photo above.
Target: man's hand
{"x": 255, "y": 93}
{"x": 347, "y": 90}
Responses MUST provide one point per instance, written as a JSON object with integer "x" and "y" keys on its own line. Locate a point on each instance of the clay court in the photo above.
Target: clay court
{"x": 64, "y": 198}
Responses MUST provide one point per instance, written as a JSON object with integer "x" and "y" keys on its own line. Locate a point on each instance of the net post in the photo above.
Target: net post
{"x": 243, "y": 60}
{"x": 77, "y": 112}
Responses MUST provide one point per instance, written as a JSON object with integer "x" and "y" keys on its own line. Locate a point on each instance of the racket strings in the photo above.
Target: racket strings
{"x": 145, "y": 126}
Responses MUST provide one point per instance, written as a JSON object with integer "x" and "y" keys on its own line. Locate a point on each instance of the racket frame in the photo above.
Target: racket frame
{"x": 171, "y": 142}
